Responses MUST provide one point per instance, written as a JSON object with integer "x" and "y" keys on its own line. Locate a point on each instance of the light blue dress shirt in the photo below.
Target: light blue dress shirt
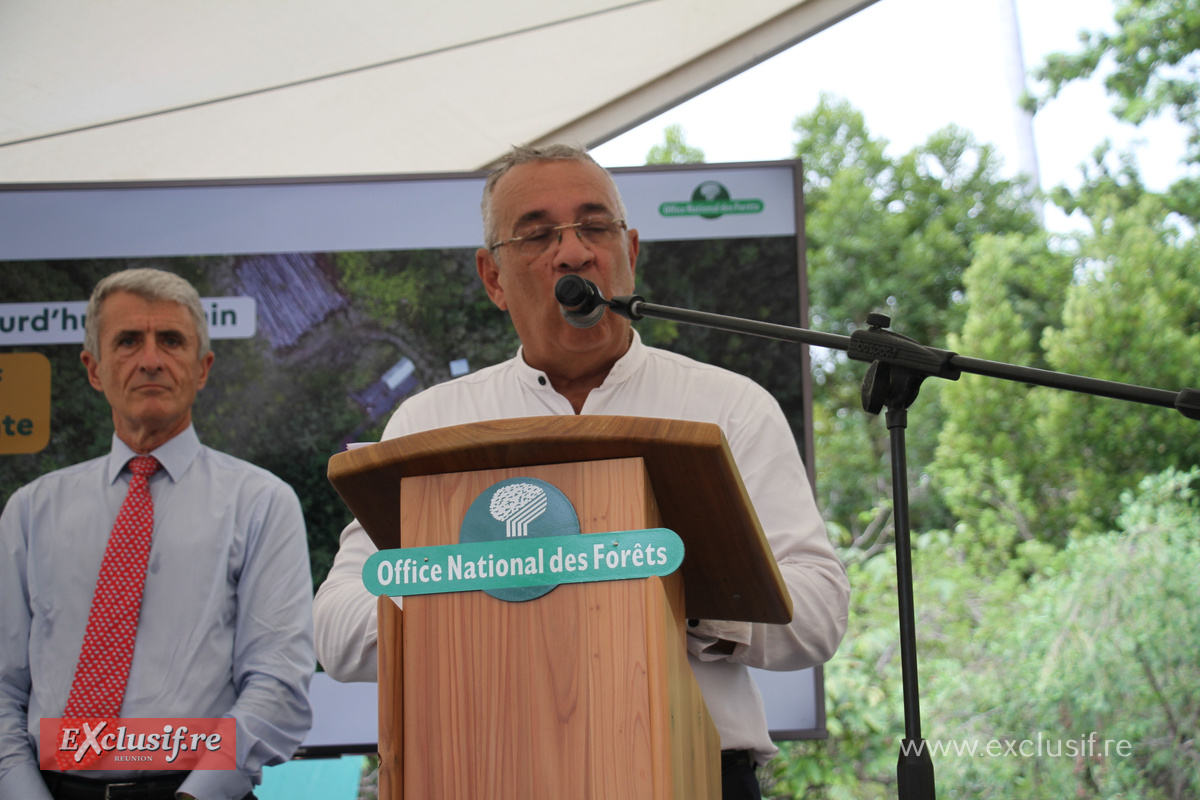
{"x": 226, "y": 623}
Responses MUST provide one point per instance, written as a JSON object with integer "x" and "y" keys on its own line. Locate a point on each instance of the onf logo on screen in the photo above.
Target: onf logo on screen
{"x": 710, "y": 200}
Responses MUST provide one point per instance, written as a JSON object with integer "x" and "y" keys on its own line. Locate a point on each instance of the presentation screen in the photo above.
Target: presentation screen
{"x": 330, "y": 301}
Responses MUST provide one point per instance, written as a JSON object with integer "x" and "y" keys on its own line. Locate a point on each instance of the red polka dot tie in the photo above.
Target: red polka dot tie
{"x": 103, "y": 669}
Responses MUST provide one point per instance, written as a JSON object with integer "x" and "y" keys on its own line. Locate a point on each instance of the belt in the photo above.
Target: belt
{"x": 736, "y": 758}
{"x": 70, "y": 787}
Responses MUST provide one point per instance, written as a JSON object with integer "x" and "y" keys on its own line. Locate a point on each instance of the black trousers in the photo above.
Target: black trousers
{"x": 739, "y": 781}
{"x": 71, "y": 787}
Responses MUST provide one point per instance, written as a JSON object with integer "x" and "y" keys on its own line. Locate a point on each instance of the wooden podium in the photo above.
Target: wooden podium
{"x": 585, "y": 692}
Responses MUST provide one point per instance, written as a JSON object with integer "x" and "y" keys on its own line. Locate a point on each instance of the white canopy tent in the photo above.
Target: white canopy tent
{"x": 217, "y": 89}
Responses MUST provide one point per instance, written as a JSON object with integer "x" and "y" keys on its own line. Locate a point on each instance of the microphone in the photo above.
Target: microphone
{"x": 581, "y": 301}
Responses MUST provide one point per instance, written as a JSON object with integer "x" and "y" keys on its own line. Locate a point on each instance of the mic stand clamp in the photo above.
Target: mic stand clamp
{"x": 898, "y": 365}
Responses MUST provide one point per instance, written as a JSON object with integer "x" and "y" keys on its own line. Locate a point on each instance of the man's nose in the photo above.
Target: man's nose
{"x": 150, "y": 357}
{"x": 572, "y": 252}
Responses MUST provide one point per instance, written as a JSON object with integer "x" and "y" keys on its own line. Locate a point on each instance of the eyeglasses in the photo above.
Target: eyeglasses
{"x": 537, "y": 240}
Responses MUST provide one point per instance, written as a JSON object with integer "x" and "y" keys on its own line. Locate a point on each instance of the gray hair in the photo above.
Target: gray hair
{"x": 153, "y": 285}
{"x": 525, "y": 154}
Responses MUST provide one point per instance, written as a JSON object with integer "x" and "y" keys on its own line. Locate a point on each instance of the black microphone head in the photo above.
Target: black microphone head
{"x": 571, "y": 291}
{"x": 581, "y": 301}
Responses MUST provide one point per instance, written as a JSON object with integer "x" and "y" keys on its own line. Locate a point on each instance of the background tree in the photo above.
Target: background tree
{"x": 990, "y": 469}
{"x": 674, "y": 149}
{"x": 1133, "y": 316}
{"x": 1029, "y": 480}
{"x": 1153, "y": 61}
{"x": 891, "y": 234}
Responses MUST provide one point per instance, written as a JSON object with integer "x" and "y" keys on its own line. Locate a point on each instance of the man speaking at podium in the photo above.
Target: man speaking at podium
{"x": 550, "y": 212}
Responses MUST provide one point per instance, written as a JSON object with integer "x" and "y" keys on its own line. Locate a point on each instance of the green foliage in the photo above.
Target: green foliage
{"x": 993, "y": 474}
{"x": 1102, "y": 646}
{"x": 674, "y": 149}
{"x": 862, "y": 701}
{"x": 1054, "y": 644}
{"x": 1031, "y": 620}
{"x": 1134, "y": 317}
{"x": 75, "y": 407}
{"x": 430, "y": 302}
{"x": 893, "y": 234}
{"x": 1104, "y": 185}
{"x": 1121, "y": 304}
{"x": 1152, "y": 53}
{"x": 896, "y": 234}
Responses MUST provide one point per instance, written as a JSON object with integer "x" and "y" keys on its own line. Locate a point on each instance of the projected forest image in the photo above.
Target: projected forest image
{"x": 343, "y": 338}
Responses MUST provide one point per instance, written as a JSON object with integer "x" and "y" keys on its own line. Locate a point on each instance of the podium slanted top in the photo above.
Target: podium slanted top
{"x": 728, "y": 570}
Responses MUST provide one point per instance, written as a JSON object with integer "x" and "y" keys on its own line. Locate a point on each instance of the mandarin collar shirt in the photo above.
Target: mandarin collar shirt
{"x": 225, "y": 628}
{"x": 645, "y": 382}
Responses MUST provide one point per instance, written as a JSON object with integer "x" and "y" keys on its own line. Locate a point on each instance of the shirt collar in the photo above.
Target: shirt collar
{"x": 626, "y": 366}
{"x": 176, "y": 454}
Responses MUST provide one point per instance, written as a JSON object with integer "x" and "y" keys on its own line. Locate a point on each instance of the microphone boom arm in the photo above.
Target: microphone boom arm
{"x": 875, "y": 344}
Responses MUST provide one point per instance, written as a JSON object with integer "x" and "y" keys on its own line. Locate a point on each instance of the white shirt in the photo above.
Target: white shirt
{"x": 645, "y": 382}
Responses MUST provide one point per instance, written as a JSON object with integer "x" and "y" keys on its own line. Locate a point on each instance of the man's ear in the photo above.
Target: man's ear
{"x": 93, "y": 369}
{"x": 489, "y": 273}
{"x": 205, "y": 367}
{"x": 634, "y": 244}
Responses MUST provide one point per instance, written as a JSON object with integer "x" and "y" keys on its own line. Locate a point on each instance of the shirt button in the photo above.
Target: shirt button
{"x": 542, "y": 380}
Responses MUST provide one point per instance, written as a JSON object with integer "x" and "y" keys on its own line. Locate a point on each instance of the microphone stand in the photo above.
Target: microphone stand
{"x": 898, "y": 366}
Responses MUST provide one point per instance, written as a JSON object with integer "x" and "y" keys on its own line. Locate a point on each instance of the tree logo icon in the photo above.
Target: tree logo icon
{"x": 517, "y": 505}
{"x": 518, "y": 508}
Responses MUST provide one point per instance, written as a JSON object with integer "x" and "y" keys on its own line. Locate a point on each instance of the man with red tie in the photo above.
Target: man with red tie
{"x": 162, "y": 580}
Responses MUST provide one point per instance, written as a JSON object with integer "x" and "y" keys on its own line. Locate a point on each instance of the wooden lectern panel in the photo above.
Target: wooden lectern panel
{"x": 583, "y": 693}
{"x": 391, "y": 699}
{"x": 729, "y": 572}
